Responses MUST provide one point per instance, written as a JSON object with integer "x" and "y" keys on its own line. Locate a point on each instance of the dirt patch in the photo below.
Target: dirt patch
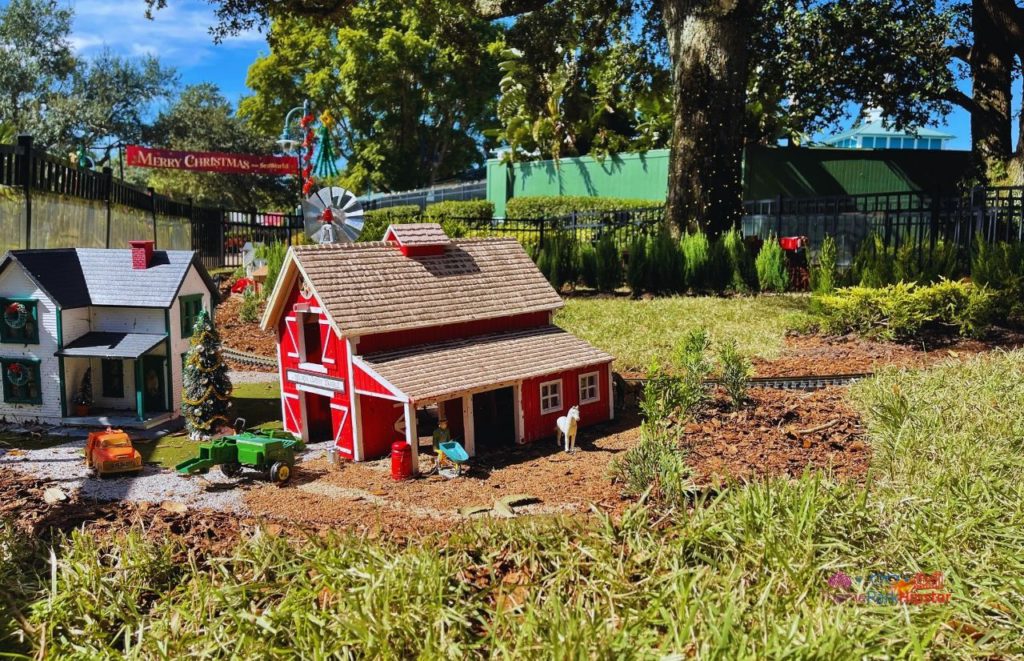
{"x": 241, "y": 335}
{"x": 821, "y": 355}
{"x": 558, "y": 483}
{"x": 778, "y": 433}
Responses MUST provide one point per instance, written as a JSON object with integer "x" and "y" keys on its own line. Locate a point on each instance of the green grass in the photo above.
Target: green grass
{"x": 636, "y": 332}
{"x": 258, "y": 403}
{"x": 740, "y": 577}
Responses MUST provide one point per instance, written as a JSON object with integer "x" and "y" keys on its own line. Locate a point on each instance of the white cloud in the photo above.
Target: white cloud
{"x": 179, "y": 34}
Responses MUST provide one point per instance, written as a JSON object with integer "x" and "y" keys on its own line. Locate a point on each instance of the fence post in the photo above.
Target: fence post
{"x": 152, "y": 211}
{"x": 108, "y": 184}
{"x": 540, "y": 239}
{"x": 778, "y": 216}
{"x": 24, "y": 174}
{"x": 221, "y": 219}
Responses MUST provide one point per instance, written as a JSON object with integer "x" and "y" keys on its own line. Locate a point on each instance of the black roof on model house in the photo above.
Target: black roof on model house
{"x": 80, "y": 277}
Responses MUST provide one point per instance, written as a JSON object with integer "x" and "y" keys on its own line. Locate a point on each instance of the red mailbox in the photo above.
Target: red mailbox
{"x": 401, "y": 461}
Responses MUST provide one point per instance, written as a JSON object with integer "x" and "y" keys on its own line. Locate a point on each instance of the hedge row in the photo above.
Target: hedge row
{"x": 376, "y": 222}
{"x": 549, "y": 206}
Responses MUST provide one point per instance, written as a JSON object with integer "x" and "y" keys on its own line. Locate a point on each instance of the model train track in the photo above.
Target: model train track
{"x": 248, "y": 358}
{"x": 790, "y": 382}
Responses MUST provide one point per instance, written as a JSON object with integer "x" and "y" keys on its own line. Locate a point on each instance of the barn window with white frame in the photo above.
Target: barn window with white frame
{"x": 588, "y": 388}
{"x": 551, "y": 396}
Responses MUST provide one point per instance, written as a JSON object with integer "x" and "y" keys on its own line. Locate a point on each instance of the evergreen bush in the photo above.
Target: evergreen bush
{"x": 664, "y": 264}
{"x": 274, "y": 253}
{"x": 609, "y": 265}
{"x": 736, "y": 371}
{"x": 588, "y": 265}
{"x": 873, "y": 264}
{"x": 637, "y": 269}
{"x": 735, "y": 259}
{"x": 558, "y": 260}
{"x": 248, "y": 312}
{"x": 924, "y": 263}
{"x": 904, "y": 310}
{"x": 696, "y": 258}
{"x": 655, "y": 466}
{"x": 824, "y": 276}
{"x": 771, "y": 266}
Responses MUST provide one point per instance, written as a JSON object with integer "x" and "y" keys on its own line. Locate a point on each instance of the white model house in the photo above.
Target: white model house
{"x": 125, "y": 314}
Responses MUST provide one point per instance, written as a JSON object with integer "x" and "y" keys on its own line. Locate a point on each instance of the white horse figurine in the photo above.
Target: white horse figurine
{"x": 565, "y": 428}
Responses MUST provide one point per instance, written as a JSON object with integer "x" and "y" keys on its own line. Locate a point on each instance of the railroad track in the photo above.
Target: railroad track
{"x": 790, "y": 382}
{"x": 777, "y": 382}
{"x": 248, "y": 358}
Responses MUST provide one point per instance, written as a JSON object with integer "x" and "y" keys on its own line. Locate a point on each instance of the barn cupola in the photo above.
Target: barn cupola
{"x": 418, "y": 239}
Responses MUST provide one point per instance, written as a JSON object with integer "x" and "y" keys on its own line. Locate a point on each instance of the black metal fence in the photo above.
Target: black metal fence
{"x": 916, "y": 218}
{"x": 48, "y": 203}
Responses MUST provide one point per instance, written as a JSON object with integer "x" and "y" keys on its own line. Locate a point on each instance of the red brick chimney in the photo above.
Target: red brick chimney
{"x": 142, "y": 253}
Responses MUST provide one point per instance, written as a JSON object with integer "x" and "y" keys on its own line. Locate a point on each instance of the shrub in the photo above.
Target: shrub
{"x": 771, "y": 266}
{"x": 550, "y": 206}
{"x": 274, "y": 253}
{"x": 609, "y": 265}
{"x": 636, "y": 270}
{"x": 825, "y": 274}
{"x": 588, "y": 265}
{"x": 376, "y": 222}
{"x": 664, "y": 264}
{"x": 459, "y": 209}
{"x": 696, "y": 257}
{"x": 558, "y": 260}
{"x": 873, "y": 265}
{"x": 923, "y": 263}
{"x": 694, "y": 368}
{"x": 733, "y": 256}
{"x": 248, "y": 312}
{"x": 736, "y": 371}
{"x": 999, "y": 265}
{"x": 655, "y": 466}
{"x": 903, "y": 310}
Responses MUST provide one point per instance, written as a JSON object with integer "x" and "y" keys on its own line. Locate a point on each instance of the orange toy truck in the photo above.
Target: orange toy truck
{"x": 111, "y": 451}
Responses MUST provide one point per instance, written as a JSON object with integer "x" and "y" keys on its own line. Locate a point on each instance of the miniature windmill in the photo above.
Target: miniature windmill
{"x": 332, "y": 215}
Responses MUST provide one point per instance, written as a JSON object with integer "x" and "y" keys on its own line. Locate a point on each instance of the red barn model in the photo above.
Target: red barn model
{"x": 370, "y": 332}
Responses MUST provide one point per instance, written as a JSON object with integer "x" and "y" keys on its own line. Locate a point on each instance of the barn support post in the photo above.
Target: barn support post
{"x": 468, "y": 430}
{"x": 410, "y": 436}
{"x": 517, "y": 413}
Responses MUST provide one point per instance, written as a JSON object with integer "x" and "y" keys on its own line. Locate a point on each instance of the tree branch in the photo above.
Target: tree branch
{"x": 493, "y": 9}
{"x": 957, "y": 97}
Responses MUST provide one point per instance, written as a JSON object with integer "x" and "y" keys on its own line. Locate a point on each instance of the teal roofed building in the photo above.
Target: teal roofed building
{"x": 870, "y": 133}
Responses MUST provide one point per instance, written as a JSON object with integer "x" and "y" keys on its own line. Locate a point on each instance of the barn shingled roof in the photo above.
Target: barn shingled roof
{"x": 373, "y": 288}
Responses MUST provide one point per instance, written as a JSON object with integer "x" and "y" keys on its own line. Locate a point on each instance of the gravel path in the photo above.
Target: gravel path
{"x": 64, "y": 464}
{"x": 248, "y": 376}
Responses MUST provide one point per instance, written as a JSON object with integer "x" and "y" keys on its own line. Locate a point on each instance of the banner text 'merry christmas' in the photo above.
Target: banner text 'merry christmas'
{"x": 147, "y": 157}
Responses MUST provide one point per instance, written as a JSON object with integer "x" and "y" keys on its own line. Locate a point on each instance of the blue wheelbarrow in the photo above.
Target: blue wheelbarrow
{"x": 454, "y": 453}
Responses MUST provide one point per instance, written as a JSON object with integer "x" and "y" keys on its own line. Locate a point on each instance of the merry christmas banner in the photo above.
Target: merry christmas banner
{"x": 210, "y": 161}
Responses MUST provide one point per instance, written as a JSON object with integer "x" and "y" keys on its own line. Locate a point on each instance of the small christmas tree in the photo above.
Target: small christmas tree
{"x": 207, "y": 388}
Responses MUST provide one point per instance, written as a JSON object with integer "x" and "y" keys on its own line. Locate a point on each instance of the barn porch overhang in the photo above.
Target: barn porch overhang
{"x": 458, "y": 369}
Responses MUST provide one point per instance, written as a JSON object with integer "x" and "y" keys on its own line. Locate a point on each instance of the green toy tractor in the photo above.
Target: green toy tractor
{"x": 273, "y": 456}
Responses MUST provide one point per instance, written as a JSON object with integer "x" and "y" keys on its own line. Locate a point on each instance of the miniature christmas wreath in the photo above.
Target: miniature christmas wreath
{"x": 17, "y": 374}
{"x": 15, "y": 315}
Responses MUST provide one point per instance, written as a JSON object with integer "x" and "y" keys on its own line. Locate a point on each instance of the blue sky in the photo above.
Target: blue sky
{"x": 179, "y": 36}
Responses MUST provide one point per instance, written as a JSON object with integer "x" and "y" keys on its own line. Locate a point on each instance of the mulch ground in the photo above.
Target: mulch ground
{"x": 241, "y": 335}
{"x": 821, "y": 355}
{"x": 779, "y": 433}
